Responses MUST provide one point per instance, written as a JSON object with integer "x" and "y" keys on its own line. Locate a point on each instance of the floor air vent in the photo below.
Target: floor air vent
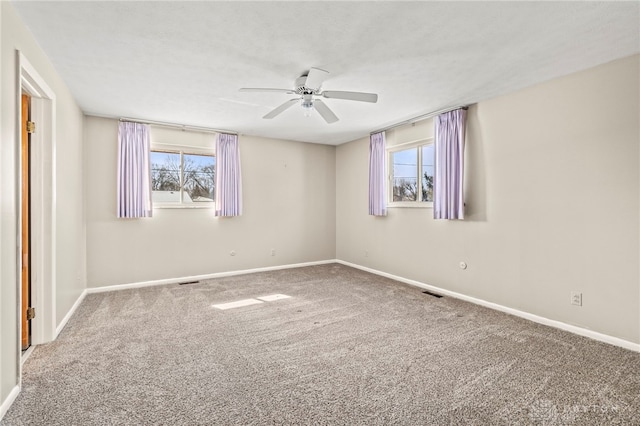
{"x": 189, "y": 282}
{"x": 432, "y": 294}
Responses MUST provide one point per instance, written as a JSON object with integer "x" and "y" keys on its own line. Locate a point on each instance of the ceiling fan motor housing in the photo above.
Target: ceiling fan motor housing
{"x": 301, "y": 89}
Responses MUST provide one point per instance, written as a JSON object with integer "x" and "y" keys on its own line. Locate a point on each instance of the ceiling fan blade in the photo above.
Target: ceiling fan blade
{"x": 262, "y": 89}
{"x": 315, "y": 78}
{"x": 281, "y": 108}
{"x": 324, "y": 111}
{"x": 351, "y": 96}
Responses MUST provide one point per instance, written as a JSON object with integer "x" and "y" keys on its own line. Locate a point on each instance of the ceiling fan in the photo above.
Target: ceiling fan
{"x": 308, "y": 88}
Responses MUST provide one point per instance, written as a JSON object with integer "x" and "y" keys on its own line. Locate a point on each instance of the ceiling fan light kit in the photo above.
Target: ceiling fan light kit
{"x": 307, "y": 105}
{"x": 308, "y": 88}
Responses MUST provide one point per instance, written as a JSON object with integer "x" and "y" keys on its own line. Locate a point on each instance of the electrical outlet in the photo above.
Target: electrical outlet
{"x": 366, "y": 253}
{"x": 232, "y": 253}
{"x": 273, "y": 252}
{"x": 576, "y": 298}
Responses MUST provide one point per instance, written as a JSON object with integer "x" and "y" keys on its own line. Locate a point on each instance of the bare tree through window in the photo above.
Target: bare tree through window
{"x": 412, "y": 174}
{"x": 173, "y": 173}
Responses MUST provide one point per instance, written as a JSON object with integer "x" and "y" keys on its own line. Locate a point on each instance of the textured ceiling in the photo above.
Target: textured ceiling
{"x": 183, "y": 62}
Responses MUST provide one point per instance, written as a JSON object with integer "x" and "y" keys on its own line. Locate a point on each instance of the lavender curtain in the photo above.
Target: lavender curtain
{"x": 228, "y": 178}
{"x": 377, "y": 199}
{"x": 134, "y": 171}
{"x": 448, "y": 196}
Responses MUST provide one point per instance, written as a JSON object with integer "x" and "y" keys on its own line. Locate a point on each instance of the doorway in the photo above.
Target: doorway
{"x": 35, "y": 205}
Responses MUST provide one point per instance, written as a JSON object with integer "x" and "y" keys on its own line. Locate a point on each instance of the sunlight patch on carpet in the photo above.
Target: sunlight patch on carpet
{"x": 273, "y": 297}
{"x": 238, "y": 304}
{"x": 249, "y": 302}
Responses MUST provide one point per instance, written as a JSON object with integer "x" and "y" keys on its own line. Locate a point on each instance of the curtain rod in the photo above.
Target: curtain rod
{"x": 421, "y": 117}
{"x": 178, "y": 126}
{"x": 164, "y": 124}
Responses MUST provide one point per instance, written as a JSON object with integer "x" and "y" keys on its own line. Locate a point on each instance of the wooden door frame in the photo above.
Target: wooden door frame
{"x": 25, "y": 237}
{"x": 43, "y": 202}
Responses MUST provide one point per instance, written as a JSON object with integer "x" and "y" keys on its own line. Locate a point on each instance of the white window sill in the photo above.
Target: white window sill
{"x": 411, "y": 205}
{"x": 183, "y": 206}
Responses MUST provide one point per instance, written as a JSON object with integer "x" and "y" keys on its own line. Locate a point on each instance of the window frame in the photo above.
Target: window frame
{"x": 183, "y": 150}
{"x": 416, "y": 144}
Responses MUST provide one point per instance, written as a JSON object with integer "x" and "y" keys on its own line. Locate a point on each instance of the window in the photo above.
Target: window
{"x": 411, "y": 178}
{"x": 182, "y": 178}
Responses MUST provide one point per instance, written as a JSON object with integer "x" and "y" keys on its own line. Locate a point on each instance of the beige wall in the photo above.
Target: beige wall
{"x": 289, "y": 205}
{"x": 69, "y": 225}
{"x": 552, "y": 195}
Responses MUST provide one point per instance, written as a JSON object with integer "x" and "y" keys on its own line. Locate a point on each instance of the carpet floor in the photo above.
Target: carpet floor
{"x": 347, "y": 348}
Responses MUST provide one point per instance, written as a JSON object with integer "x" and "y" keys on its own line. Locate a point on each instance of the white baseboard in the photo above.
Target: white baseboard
{"x": 26, "y": 354}
{"x": 203, "y": 277}
{"x": 526, "y": 315}
{"x": 66, "y": 318}
{"x": 8, "y": 401}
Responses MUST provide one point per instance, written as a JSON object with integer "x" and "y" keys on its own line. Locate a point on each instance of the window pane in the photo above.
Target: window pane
{"x": 199, "y": 178}
{"x": 427, "y": 172}
{"x": 405, "y": 172}
{"x": 165, "y": 176}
